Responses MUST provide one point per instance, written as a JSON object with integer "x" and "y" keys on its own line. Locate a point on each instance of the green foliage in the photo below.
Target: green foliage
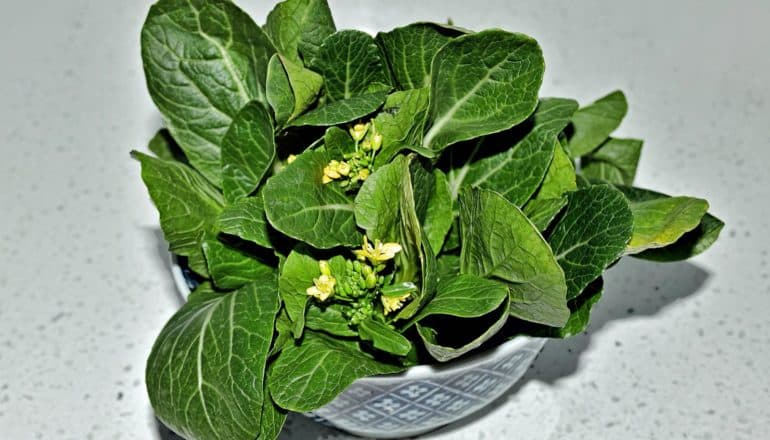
{"x": 354, "y": 205}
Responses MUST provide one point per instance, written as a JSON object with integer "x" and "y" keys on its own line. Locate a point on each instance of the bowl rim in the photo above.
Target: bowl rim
{"x": 517, "y": 343}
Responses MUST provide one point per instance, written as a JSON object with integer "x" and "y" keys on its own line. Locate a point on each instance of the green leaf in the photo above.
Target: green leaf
{"x": 614, "y": 161}
{"x": 661, "y": 222}
{"x": 690, "y": 244}
{"x": 166, "y": 148}
{"x": 447, "y": 266}
{"x": 273, "y": 418}
{"x": 580, "y": 310}
{"x": 279, "y": 92}
{"x": 438, "y": 215}
{"x": 248, "y": 150}
{"x": 296, "y": 276}
{"x": 328, "y": 319}
{"x": 305, "y": 84}
{"x": 188, "y": 204}
{"x": 319, "y": 214}
{"x": 203, "y": 61}
{"x": 591, "y": 234}
{"x": 560, "y": 177}
{"x": 384, "y": 338}
{"x": 499, "y": 242}
{"x": 444, "y": 353}
{"x": 377, "y": 198}
{"x": 594, "y": 123}
{"x": 340, "y": 112}
{"x": 410, "y": 51}
{"x": 308, "y": 376}
{"x": 401, "y": 123}
{"x": 232, "y": 266}
{"x": 205, "y": 375}
{"x": 245, "y": 219}
{"x": 517, "y": 172}
{"x": 541, "y": 212}
{"x": 465, "y": 296}
{"x": 480, "y": 84}
{"x": 299, "y": 27}
{"x": 351, "y": 65}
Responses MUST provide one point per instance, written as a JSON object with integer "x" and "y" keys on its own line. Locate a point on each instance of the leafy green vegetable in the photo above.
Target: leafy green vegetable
{"x": 690, "y": 244}
{"x": 499, "y": 242}
{"x": 203, "y": 61}
{"x": 516, "y": 172}
{"x": 482, "y": 83}
{"x": 593, "y": 124}
{"x": 208, "y": 363}
{"x": 248, "y": 150}
{"x": 318, "y": 214}
{"x": 350, "y": 206}
{"x": 187, "y": 203}
{"x": 340, "y": 112}
{"x": 231, "y": 267}
{"x": 299, "y": 27}
{"x": 245, "y": 219}
{"x": 410, "y": 51}
{"x": 591, "y": 234}
{"x": 310, "y": 375}
{"x": 614, "y": 161}
{"x": 351, "y": 65}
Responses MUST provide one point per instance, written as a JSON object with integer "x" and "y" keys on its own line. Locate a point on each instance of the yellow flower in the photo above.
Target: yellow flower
{"x": 325, "y": 268}
{"x": 379, "y": 253}
{"x": 291, "y": 158}
{"x": 358, "y": 131}
{"x": 335, "y": 170}
{"x": 393, "y": 303}
{"x": 323, "y": 288}
{"x": 376, "y": 142}
{"x": 363, "y": 173}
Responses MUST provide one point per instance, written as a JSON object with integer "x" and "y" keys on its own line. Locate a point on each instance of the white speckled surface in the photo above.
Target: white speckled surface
{"x": 675, "y": 351}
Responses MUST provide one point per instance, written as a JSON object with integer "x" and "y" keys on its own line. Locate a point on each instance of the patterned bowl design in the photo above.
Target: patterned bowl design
{"x": 423, "y": 398}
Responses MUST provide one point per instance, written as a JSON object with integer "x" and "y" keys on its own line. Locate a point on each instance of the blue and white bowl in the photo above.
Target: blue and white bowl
{"x": 422, "y": 398}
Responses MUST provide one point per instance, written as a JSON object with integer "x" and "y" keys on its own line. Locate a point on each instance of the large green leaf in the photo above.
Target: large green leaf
{"x": 517, "y": 172}
{"x": 499, "y": 242}
{"x": 248, "y": 150}
{"x": 328, "y": 319}
{"x": 246, "y": 220}
{"x": 232, "y": 266}
{"x": 188, "y": 204}
{"x": 351, "y": 65}
{"x": 204, "y": 60}
{"x": 560, "y": 177}
{"x": 661, "y": 222}
{"x": 580, "y": 314}
{"x": 279, "y": 92}
{"x": 310, "y": 375}
{"x": 340, "y": 112}
{"x": 443, "y": 353}
{"x": 273, "y": 418}
{"x": 298, "y": 204}
{"x": 305, "y": 84}
{"x": 298, "y": 27}
{"x": 384, "y": 337}
{"x": 377, "y": 202}
{"x": 465, "y": 296}
{"x": 438, "y": 214}
{"x": 591, "y": 234}
{"x": 690, "y": 244}
{"x": 480, "y": 84}
{"x": 297, "y": 274}
{"x": 410, "y": 51}
{"x": 541, "y": 212}
{"x": 614, "y": 161}
{"x": 594, "y": 123}
{"x": 165, "y": 147}
{"x": 401, "y": 123}
{"x": 205, "y": 375}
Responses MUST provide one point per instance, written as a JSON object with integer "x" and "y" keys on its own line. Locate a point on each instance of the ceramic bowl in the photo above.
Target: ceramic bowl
{"x": 424, "y": 397}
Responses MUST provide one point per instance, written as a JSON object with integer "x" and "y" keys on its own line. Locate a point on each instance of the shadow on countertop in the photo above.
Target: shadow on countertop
{"x": 634, "y": 288}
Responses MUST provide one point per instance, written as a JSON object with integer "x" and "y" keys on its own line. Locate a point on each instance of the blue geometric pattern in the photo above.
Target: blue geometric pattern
{"x": 403, "y": 407}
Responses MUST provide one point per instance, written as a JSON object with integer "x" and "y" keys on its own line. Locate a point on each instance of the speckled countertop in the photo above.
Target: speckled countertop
{"x": 674, "y": 351}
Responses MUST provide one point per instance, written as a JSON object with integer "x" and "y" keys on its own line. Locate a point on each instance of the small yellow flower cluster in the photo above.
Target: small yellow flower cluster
{"x": 323, "y": 286}
{"x": 357, "y": 165}
{"x": 377, "y": 254}
{"x": 393, "y": 303}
